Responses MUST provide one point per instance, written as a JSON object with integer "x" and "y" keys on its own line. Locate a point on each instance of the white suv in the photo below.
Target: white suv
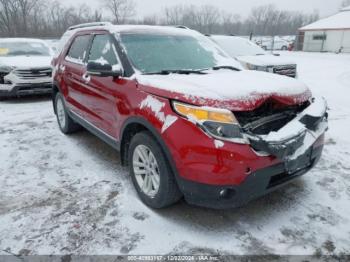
{"x": 25, "y": 67}
{"x": 253, "y": 57}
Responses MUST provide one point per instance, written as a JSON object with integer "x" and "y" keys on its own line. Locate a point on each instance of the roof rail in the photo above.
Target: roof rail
{"x": 89, "y": 25}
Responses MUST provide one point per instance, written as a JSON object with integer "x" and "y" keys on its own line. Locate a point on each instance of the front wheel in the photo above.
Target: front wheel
{"x": 151, "y": 174}
{"x": 284, "y": 48}
{"x": 65, "y": 122}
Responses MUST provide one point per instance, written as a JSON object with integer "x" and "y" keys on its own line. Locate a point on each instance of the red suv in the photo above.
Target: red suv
{"x": 186, "y": 118}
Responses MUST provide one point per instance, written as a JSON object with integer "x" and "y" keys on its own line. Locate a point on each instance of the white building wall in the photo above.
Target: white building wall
{"x": 335, "y": 41}
{"x": 311, "y": 45}
{"x": 346, "y": 41}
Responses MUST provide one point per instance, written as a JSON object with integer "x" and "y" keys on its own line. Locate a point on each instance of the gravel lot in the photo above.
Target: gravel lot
{"x": 70, "y": 195}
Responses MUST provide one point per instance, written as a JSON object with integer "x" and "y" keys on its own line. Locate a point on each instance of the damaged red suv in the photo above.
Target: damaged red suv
{"x": 186, "y": 118}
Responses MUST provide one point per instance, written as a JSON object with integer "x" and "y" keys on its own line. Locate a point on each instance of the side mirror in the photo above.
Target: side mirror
{"x": 103, "y": 70}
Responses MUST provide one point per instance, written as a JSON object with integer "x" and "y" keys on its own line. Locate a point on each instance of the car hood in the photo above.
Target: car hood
{"x": 26, "y": 62}
{"x": 237, "y": 91}
{"x": 265, "y": 60}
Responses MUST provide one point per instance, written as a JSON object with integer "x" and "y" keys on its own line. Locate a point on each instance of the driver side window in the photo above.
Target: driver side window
{"x": 103, "y": 51}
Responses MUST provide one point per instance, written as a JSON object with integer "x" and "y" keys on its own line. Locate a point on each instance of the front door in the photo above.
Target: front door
{"x": 104, "y": 91}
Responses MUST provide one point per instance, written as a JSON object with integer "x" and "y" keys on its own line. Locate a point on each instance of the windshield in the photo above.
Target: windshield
{"x": 23, "y": 48}
{"x": 236, "y": 46}
{"x": 156, "y": 52}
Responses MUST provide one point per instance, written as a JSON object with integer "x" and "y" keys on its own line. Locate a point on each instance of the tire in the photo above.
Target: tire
{"x": 65, "y": 122}
{"x": 167, "y": 192}
{"x": 264, "y": 47}
{"x": 284, "y": 48}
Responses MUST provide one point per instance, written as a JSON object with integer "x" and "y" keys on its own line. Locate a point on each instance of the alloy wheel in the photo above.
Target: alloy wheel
{"x": 146, "y": 170}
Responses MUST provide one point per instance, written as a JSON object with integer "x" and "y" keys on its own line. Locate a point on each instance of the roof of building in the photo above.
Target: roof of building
{"x": 339, "y": 21}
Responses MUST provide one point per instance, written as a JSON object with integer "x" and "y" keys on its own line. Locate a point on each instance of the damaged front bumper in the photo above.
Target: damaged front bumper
{"x": 16, "y": 86}
{"x": 293, "y": 143}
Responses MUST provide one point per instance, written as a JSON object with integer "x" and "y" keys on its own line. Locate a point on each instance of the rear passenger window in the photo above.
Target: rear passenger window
{"x": 103, "y": 51}
{"x": 78, "y": 49}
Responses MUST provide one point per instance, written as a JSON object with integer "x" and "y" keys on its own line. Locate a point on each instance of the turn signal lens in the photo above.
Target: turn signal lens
{"x": 205, "y": 113}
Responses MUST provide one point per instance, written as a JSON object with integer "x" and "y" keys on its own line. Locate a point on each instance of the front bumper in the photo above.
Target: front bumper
{"x": 256, "y": 185}
{"x": 279, "y": 158}
{"x": 25, "y": 89}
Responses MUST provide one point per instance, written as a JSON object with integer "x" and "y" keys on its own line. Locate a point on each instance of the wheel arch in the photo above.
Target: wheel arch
{"x": 135, "y": 125}
{"x": 55, "y": 89}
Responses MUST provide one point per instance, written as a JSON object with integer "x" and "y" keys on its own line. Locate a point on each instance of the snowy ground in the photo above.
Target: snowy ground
{"x": 69, "y": 195}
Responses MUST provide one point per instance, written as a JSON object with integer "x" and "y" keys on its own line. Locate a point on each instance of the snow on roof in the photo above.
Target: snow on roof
{"x": 168, "y": 30}
{"x": 171, "y": 30}
{"x": 335, "y": 22}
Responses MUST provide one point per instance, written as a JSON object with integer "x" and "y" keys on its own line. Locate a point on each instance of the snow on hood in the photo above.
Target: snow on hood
{"x": 243, "y": 90}
{"x": 265, "y": 60}
{"x": 25, "y": 62}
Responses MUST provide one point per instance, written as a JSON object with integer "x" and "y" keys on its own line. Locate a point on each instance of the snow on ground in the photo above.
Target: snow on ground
{"x": 69, "y": 194}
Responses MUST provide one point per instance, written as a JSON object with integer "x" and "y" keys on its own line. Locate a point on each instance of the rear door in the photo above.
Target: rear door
{"x": 73, "y": 68}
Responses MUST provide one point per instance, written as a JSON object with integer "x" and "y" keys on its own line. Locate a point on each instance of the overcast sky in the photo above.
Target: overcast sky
{"x": 242, "y": 7}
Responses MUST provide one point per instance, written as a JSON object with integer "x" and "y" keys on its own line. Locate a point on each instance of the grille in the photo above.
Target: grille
{"x": 288, "y": 70}
{"x": 33, "y": 73}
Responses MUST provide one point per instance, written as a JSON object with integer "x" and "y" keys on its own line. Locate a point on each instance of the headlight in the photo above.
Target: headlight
{"x": 6, "y": 69}
{"x": 218, "y": 123}
{"x": 257, "y": 68}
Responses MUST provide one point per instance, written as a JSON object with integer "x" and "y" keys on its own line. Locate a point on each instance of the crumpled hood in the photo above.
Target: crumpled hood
{"x": 26, "y": 62}
{"x": 237, "y": 91}
{"x": 265, "y": 60}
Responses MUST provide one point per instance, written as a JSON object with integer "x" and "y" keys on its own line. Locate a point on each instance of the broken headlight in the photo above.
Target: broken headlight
{"x": 259, "y": 68}
{"x": 4, "y": 71}
{"x": 218, "y": 123}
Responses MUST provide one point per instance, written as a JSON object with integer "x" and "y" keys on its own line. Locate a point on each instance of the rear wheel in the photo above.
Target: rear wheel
{"x": 65, "y": 122}
{"x": 284, "y": 48}
{"x": 151, "y": 174}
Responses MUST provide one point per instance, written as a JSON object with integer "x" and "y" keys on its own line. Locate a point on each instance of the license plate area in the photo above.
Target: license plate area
{"x": 300, "y": 163}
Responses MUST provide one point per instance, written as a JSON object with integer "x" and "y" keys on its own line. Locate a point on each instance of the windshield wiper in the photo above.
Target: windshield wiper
{"x": 226, "y": 67}
{"x": 178, "y": 71}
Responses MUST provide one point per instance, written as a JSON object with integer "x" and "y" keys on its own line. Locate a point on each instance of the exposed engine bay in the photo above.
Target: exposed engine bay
{"x": 285, "y": 132}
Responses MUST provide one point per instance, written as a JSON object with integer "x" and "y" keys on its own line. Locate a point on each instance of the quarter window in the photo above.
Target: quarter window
{"x": 103, "y": 51}
{"x": 77, "y": 51}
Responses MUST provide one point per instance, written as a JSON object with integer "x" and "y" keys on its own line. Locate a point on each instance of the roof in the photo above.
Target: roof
{"x": 340, "y": 21}
{"x": 11, "y": 40}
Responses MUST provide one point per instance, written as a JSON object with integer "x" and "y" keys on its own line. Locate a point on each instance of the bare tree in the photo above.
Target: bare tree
{"x": 174, "y": 15}
{"x": 25, "y": 8}
{"x": 120, "y": 9}
{"x": 203, "y": 18}
{"x": 50, "y": 18}
{"x": 8, "y": 14}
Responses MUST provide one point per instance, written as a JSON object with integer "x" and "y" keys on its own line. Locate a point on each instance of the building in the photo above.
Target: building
{"x": 330, "y": 34}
